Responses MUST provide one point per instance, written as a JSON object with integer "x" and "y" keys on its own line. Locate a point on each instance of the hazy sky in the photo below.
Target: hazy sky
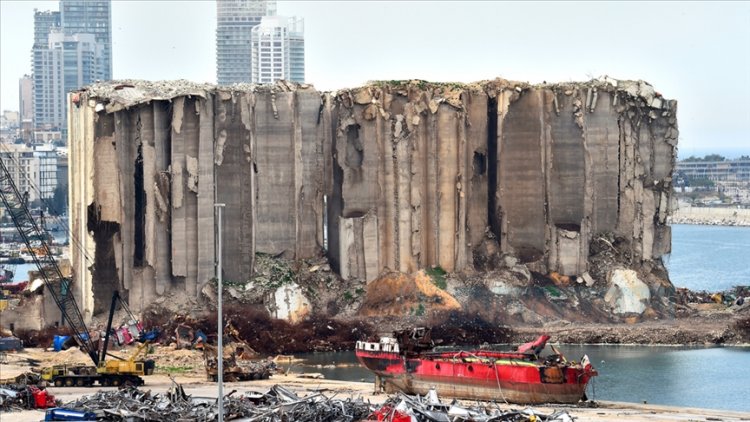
{"x": 697, "y": 53}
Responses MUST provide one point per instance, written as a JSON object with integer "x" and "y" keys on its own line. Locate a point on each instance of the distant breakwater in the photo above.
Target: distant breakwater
{"x": 711, "y": 216}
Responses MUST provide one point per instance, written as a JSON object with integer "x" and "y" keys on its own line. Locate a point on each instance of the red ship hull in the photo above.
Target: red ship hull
{"x": 479, "y": 375}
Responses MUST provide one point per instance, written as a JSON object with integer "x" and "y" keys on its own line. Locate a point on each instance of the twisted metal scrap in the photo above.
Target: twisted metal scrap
{"x": 280, "y": 404}
{"x": 277, "y": 405}
{"x": 429, "y": 408}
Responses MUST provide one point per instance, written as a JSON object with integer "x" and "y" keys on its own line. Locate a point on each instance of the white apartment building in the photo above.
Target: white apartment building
{"x": 33, "y": 169}
{"x": 278, "y": 50}
{"x": 235, "y": 21}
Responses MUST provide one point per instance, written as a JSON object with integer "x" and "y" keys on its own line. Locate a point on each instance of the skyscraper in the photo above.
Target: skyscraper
{"x": 44, "y": 22}
{"x": 68, "y": 62}
{"x": 91, "y": 17}
{"x": 278, "y": 50}
{"x": 72, "y": 48}
{"x": 26, "y": 106}
{"x": 236, "y": 19}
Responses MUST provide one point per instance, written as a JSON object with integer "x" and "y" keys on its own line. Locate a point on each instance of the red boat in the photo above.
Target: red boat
{"x": 409, "y": 362}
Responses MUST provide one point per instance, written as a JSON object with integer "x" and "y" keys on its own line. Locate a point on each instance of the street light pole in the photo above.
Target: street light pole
{"x": 220, "y": 323}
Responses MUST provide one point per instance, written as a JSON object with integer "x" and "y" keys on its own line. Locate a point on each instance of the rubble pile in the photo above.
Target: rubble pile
{"x": 417, "y": 295}
{"x": 276, "y": 404}
{"x": 41, "y": 338}
{"x": 267, "y": 335}
{"x": 406, "y": 408}
{"x": 460, "y": 328}
{"x": 736, "y": 295}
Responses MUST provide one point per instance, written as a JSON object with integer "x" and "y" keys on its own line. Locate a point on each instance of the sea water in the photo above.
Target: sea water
{"x": 704, "y": 377}
{"x": 711, "y": 258}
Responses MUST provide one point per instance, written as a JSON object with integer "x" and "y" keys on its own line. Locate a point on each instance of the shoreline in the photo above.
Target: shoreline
{"x": 710, "y": 216}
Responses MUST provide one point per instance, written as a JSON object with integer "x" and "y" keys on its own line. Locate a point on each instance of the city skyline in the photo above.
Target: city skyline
{"x": 695, "y": 53}
{"x": 234, "y": 23}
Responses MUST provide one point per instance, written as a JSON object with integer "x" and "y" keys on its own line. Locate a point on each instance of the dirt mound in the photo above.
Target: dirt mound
{"x": 70, "y": 356}
{"x": 402, "y": 294}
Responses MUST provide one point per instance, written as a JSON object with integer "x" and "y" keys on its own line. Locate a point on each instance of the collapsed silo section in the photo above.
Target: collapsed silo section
{"x": 410, "y": 177}
{"x": 136, "y": 170}
{"x": 149, "y": 160}
{"x": 581, "y": 161}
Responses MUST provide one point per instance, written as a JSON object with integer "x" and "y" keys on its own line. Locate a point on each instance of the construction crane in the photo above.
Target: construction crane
{"x": 112, "y": 372}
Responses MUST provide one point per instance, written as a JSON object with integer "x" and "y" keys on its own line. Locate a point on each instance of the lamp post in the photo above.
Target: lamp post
{"x": 220, "y": 323}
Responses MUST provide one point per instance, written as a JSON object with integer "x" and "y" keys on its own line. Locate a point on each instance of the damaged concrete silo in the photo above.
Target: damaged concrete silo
{"x": 395, "y": 176}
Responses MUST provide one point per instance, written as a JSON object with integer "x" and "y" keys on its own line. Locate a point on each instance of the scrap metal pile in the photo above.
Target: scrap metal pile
{"x": 277, "y": 404}
{"x": 429, "y": 408}
{"x": 280, "y": 404}
{"x": 22, "y": 392}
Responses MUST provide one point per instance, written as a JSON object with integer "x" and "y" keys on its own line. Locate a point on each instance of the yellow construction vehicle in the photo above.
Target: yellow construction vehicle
{"x": 117, "y": 371}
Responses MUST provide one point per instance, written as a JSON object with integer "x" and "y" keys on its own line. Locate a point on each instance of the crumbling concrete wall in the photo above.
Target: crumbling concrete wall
{"x": 395, "y": 176}
{"x": 149, "y": 162}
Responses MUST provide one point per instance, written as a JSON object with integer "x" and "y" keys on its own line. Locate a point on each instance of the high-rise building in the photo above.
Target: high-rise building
{"x": 68, "y": 63}
{"x": 91, "y": 17}
{"x": 278, "y": 50}
{"x": 235, "y": 21}
{"x": 26, "y": 106}
{"x": 44, "y": 22}
{"x": 72, "y": 48}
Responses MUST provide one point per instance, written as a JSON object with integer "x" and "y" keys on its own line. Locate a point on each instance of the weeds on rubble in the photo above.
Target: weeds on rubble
{"x": 437, "y": 275}
{"x": 272, "y": 272}
{"x": 172, "y": 370}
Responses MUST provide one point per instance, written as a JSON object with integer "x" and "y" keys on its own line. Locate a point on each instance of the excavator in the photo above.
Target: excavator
{"x": 115, "y": 372}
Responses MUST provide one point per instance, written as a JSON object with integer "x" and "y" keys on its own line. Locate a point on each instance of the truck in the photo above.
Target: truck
{"x": 105, "y": 372}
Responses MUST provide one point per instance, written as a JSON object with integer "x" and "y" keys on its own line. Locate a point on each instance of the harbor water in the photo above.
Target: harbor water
{"x": 711, "y": 258}
{"x": 703, "y": 377}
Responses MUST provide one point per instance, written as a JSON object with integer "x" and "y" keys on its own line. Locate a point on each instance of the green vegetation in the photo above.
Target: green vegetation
{"x": 173, "y": 369}
{"x": 419, "y": 311}
{"x": 271, "y": 272}
{"x": 699, "y": 182}
{"x": 709, "y": 157}
{"x": 228, "y": 283}
{"x": 437, "y": 275}
{"x": 552, "y": 291}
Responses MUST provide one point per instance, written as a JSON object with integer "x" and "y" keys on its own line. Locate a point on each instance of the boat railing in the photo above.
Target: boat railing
{"x": 377, "y": 347}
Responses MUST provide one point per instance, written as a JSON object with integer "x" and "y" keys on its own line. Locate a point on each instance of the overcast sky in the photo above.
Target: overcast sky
{"x": 696, "y": 52}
